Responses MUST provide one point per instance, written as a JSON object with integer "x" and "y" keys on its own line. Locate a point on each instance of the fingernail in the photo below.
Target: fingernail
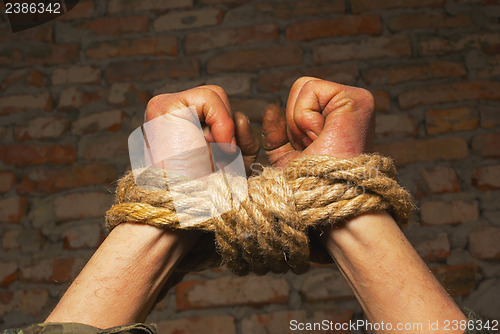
{"x": 233, "y": 141}
{"x": 306, "y": 141}
{"x": 248, "y": 119}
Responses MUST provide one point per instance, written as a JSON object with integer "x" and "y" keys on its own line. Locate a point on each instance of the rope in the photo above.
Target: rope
{"x": 269, "y": 229}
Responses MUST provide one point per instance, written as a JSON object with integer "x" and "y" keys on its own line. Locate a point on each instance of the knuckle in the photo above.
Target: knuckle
{"x": 215, "y": 89}
{"x": 302, "y": 81}
{"x": 152, "y": 106}
{"x": 367, "y": 99}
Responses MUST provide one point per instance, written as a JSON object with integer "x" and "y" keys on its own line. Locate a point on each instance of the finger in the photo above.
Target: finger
{"x": 246, "y": 140}
{"x": 319, "y": 98}
{"x": 274, "y": 137}
{"x": 273, "y": 128}
{"x": 209, "y": 105}
{"x": 222, "y": 95}
{"x": 349, "y": 123}
{"x": 298, "y": 138}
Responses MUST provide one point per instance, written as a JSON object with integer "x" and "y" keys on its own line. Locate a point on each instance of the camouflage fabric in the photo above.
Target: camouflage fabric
{"x": 74, "y": 328}
{"x": 475, "y": 321}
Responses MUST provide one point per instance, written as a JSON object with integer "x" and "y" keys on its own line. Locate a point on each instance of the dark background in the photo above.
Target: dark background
{"x": 73, "y": 89}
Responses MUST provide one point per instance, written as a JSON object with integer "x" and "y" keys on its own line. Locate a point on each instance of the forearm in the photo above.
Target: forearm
{"x": 390, "y": 280}
{"x": 120, "y": 283}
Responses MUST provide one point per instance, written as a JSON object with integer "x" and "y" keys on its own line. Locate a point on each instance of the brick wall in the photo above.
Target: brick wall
{"x": 72, "y": 91}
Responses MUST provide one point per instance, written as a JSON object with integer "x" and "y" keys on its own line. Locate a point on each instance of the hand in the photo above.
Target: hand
{"x": 133, "y": 263}
{"x": 322, "y": 118}
{"x": 327, "y": 118}
{"x": 219, "y": 125}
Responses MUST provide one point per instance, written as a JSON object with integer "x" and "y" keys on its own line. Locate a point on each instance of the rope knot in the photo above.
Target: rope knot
{"x": 262, "y": 224}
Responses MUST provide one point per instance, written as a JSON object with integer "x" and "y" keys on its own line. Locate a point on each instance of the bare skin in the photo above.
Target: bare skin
{"x": 129, "y": 269}
{"x": 389, "y": 279}
{"x": 321, "y": 118}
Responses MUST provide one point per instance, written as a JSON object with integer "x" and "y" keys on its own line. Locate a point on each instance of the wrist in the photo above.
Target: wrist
{"x": 389, "y": 279}
{"x": 359, "y": 234}
{"x": 129, "y": 269}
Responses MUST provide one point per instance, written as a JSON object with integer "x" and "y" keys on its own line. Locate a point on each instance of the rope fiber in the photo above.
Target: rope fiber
{"x": 271, "y": 229}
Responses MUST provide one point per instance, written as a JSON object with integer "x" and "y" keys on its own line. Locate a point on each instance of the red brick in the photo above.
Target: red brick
{"x": 117, "y": 26}
{"x": 330, "y": 285}
{"x": 437, "y": 249}
{"x": 233, "y": 84}
{"x": 180, "y": 86}
{"x": 32, "y": 240}
{"x": 12, "y": 209}
{"x": 152, "y": 70}
{"x": 42, "y": 128}
{"x": 279, "y": 322}
{"x": 340, "y": 26}
{"x": 81, "y": 205}
{"x": 82, "y": 236}
{"x": 6, "y": 134}
{"x": 23, "y": 103}
{"x": 395, "y": 126}
{"x": 205, "y": 325}
{"x": 10, "y": 240}
{"x": 24, "y": 77}
{"x": 43, "y": 181}
{"x": 434, "y": 46}
{"x": 225, "y": 2}
{"x": 429, "y": 21}
{"x": 484, "y": 244}
{"x": 227, "y": 291}
{"x": 491, "y": 68}
{"x": 157, "y": 46}
{"x": 76, "y": 75}
{"x": 108, "y": 120}
{"x": 359, "y": 6}
{"x": 487, "y": 177}
{"x": 7, "y": 181}
{"x": 9, "y": 272}
{"x": 482, "y": 2}
{"x": 27, "y": 155}
{"x": 199, "y": 18}
{"x": 58, "y": 270}
{"x": 440, "y": 180}
{"x": 405, "y": 152}
{"x": 452, "y": 92}
{"x": 26, "y": 55}
{"x": 65, "y": 269}
{"x": 253, "y": 108}
{"x": 450, "y": 120}
{"x": 255, "y": 59}
{"x": 292, "y": 9}
{"x": 210, "y": 40}
{"x": 31, "y": 302}
{"x": 459, "y": 280}
{"x": 487, "y": 145}
{"x": 395, "y": 74}
{"x": 41, "y": 33}
{"x": 83, "y": 10}
{"x": 490, "y": 116}
{"x": 372, "y": 48}
{"x": 455, "y": 212}
{"x": 74, "y": 98}
{"x": 283, "y": 79}
{"x": 107, "y": 146}
{"x": 125, "y": 94}
{"x": 382, "y": 101}
{"x": 120, "y": 6}
{"x": 38, "y": 271}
